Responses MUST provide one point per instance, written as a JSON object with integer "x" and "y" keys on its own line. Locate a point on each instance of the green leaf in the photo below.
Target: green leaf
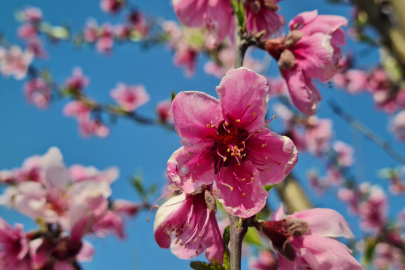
{"x": 201, "y": 265}
{"x": 269, "y": 187}
{"x": 152, "y": 189}
{"x": 138, "y": 185}
{"x": 252, "y": 237}
{"x": 239, "y": 12}
{"x": 226, "y": 238}
{"x": 173, "y": 95}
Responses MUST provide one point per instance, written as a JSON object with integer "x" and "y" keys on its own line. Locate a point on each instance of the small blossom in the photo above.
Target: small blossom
{"x": 261, "y": 15}
{"x": 185, "y": 56}
{"x": 226, "y": 140}
{"x": 388, "y": 257}
{"x": 310, "y": 51}
{"x": 187, "y": 225}
{"x": 344, "y": 153}
{"x": 265, "y": 261}
{"x": 27, "y": 31}
{"x": 35, "y": 46}
{"x": 77, "y": 109}
{"x": 138, "y": 22}
{"x": 398, "y": 125}
{"x": 112, "y": 6}
{"x": 278, "y": 87}
{"x": 105, "y": 41}
{"x": 90, "y": 32}
{"x": 130, "y": 98}
{"x": 15, "y": 62}
{"x": 164, "y": 111}
{"x": 79, "y": 173}
{"x": 90, "y": 127}
{"x": 38, "y": 92}
{"x": 318, "y": 135}
{"x": 126, "y": 207}
{"x": 32, "y": 14}
{"x": 373, "y": 211}
{"x": 122, "y": 31}
{"x": 303, "y": 240}
{"x": 77, "y": 81}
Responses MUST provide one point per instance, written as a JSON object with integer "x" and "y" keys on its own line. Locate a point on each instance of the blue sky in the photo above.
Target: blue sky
{"x": 25, "y": 130}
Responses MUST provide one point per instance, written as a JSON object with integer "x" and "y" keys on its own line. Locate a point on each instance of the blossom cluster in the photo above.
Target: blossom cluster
{"x": 67, "y": 203}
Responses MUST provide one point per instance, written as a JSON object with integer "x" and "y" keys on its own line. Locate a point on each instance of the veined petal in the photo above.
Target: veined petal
{"x": 244, "y": 96}
{"x": 190, "y": 171}
{"x": 324, "y": 222}
{"x": 192, "y": 112}
{"x": 273, "y": 155}
{"x": 240, "y": 189}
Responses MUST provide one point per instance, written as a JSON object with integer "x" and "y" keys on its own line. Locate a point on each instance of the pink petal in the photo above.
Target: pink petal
{"x": 325, "y": 222}
{"x": 303, "y": 93}
{"x": 191, "y": 13}
{"x": 63, "y": 266}
{"x": 242, "y": 198}
{"x": 86, "y": 252}
{"x": 302, "y": 19}
{"x": 54, "y": 170}
{"x": 244, "y": 95}
{"x": 279, "y": 213}
{"x": 330, "y": 254}
{"x": 276, "y": 156}
{"x": 183, "y": 170}
{"x": 192, "y": 112}
{"x": 220, "y": 12}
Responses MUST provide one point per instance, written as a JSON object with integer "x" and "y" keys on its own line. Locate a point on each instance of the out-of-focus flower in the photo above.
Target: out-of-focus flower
{"x": 397, "y": 184}
{"x": 112, "y": 6}
{"x": 398, "y": 125}
{"x": 164, "y": 111}
{"x": 90, "y": 127}
{"x": 35, "y": 46}
{"x": 15, "y": 62}
{"x": 139, "y": 23}
{"x": 32, "y": 14}
{"x": 185, "y": 56}
{"x": 373, "y": 211}
{"x": 261, "y": 15}
{"x": 79, "y": 173}
{"x": 225, "y": 140}
{"x": 344, "y": 153}
{"x": 265, "y": 261}
{"x": 126, "y": 207}
{"x": 388, "y": 257}
{"x": 130, "y": 97}
{"x": 304, "y": 240}
{"x": 77, "y": 109}
{"x": 27, "y": 31}
{"x": 122, "y": 31}
{"x": 187, "y": 225}
{"x": 105, "y": 40}
{"x": 90, "y": 32}
{"x": 38, "y": 92}
{"x": 277, "y": 87}
{"x": 318, "y": 135}
{"x": 77, "y": 81}
{"x": 310, "y": 51}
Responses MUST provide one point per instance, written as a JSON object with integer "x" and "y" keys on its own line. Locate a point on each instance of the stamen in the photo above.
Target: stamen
{"x": 274, "y": 117}
{"x": 154, "y": 204}
{"x": 254, "y": 114}
{"x": 243, "y": 194}
{"x": 238, "y": 121}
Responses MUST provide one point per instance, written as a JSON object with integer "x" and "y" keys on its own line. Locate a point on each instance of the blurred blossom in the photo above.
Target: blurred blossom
{"x": 90, "y": 127}
{"x": 388, "y": 257}
{"x": 185, "y": 56}
{"x": 27, "y": 31}
{"x": 130, "y": 97}
{"x": 90, "y": 32}
{"x": 77, "y": 81}
{"x": 344, "y": 154}
{"x": 397, "y": 184}
{"x": 318, "y": 135}
{"x": 78, "y": 109}
{"x": 164, "y": 111}
{"x": 265, "y": 261}
{"x": 112, "y": 6}
{"x": 15, "y": 62}
{"x": 105, "y": 41}
{"x": 316, "y": 182}
{"x": 79, "y": 173}
{"x": 373, "y": 211}
{"x": 261, "y": 15}
{"x": 122, "y": 31}
{"x": 398, "y": 125}
{"x": 351, "y": 197}
{"x": 173, "y": 32}
{"x": 277, "y": 87}
{"x": 35, "y": 46}
{"x": 32, "y": 14}
{"x": 125, "y": 207}
{"x": 38, "y": 92}
{"x": 139, "y": 23}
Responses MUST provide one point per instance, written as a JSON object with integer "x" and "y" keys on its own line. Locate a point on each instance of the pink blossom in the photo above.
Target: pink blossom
{"x": 122, "y": 31}
{"x": 105, "y": 41}
{"x": 379, "y": 80}
{"x": 387, "y": 256}
{"x": 164, "y": 111}
{"x": 32, "y": 14}
{"x": 107, "y": 223}
{"x": 38, "y": 92}
{"x": 27, "y": 31}
{"x": 77, "y": 81}
{"x": 187, "y": 225}
{"x": 91, "y": 31}
{"x": 130, "y": 98}
{"x": 15, "y": 62}
{"x": 373, "y": 211}
{"x": 35, "y": 46}
{"x": 278, "y": 87}
{"x": 310, "y": 51}
{"x": 397, "y": 185}
{"x": 29, "y": 171}
{"x": 79, "y": 173}
{"x": 77, "y": 109}
{"x": 13, "y": 247}
{"x": 303, "y": 240}
{"x": 316, "y": 182}
{"x": 265, "y": 261}
{"x": 344, "y": 153}
{"x": 398, "y": 125}
{"x": 216, "y": 15}
{"x": 226, "y": 140}
{"x": 90, "y": 127}
{"x": 318, "y": 135}
{"x": 356, "y": 81}
{"x": 185, "y": 56}
{"x": 126, "y": 207}
{"x": 138, "y": 22}
{"x": 173, "y": 31}
{"x": 333, "y": 176}
{"x": 261, "y": 15}
{"x": 112, "y": 6}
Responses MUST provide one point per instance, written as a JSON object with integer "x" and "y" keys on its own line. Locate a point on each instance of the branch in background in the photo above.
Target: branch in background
{"x": 292, "y": 194}
{"x": 366, "y": 132}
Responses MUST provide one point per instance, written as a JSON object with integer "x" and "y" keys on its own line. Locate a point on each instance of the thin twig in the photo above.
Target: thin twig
{"x": 366, "y": 132}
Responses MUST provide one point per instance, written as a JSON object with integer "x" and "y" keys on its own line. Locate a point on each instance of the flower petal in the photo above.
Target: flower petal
{"x": 191, "y": 13}
{"x": 325, "y": 222}
{"x": 242, "y": 196}
{"x": 192, "y": 112}
{"x": 190, "y": 171}
{"x": 244, "y": 95}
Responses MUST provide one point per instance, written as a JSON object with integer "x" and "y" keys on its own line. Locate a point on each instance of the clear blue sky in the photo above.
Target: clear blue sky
{"x": 25, "y": 130}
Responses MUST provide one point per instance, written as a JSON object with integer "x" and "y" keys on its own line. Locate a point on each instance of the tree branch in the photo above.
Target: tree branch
{"x": 384, "y": 145}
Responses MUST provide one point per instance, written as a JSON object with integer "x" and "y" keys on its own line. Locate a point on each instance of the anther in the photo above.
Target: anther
{"x": 243, "y": 179}
{"x": 267, "y": 168}
{"x": 263, "y": 145}
{"x": 225, "y": 159}
{"x": 190, "y": 153}
{"x": 156, "y": 206}
{"x": 250, "y": 104}
{"x": 279, "y": 163}
{"x": 254, "y": 114}
{"x": 238, "y": 121}
{"x": 243, "y": 194}
{"x": 252, "y": 178}
{"x": 226, "y": 123}
{"x": 228, "y": 150}
{"x": 260, "y": 131}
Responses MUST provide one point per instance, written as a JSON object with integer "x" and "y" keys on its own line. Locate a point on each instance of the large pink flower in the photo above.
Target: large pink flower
{"x": 129, "y": 97}
{"x": 187, "y": 225}
{"x": 38, "y": 92}
{"x": 261, "y": 15}
{"x": 310, "y": 51}
{"x": 226, "y": 140}
{"x": 303, "y": 240}
{"x": 13, "y": 247}
{"x": 216, "y": 15}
